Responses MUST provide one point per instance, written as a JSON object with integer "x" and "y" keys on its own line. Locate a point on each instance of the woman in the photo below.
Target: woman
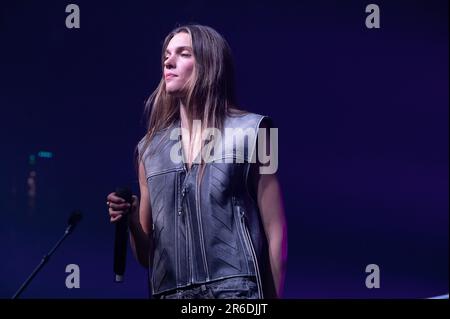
{"x": 207, "y": 225}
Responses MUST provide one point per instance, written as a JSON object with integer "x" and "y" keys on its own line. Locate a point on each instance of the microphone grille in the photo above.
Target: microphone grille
{"x": 125, "y": 193}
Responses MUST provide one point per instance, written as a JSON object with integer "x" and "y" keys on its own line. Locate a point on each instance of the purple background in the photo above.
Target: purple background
{"x": 363, "y": 128}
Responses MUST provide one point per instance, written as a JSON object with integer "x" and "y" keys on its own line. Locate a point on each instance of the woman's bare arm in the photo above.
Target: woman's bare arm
{"x": 270, "y": 202}
{"x": 141, "y": 223}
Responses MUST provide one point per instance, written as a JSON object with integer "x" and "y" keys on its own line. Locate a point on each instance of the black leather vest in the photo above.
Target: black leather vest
{"x": 210, "y": 232}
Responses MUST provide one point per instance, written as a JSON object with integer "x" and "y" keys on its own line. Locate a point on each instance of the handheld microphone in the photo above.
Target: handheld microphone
{"x": 121, "y": 238}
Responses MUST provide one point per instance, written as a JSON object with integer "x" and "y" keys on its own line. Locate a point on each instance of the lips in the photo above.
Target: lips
{"x": 170, "y": 75}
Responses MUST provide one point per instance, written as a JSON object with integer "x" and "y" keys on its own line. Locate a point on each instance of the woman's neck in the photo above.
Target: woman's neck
{"x": 191, "y": 137}
{"x": 186, "y": 118}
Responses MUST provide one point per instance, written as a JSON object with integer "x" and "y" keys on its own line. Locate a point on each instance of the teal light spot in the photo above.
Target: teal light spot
{"x": 44, "y": 154}
{"x": 32, "y": 159}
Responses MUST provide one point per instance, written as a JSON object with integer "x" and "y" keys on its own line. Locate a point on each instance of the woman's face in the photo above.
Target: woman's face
{"x": 178, "y": 63}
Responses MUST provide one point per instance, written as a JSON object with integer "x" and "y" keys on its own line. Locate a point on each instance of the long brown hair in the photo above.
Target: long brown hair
{"x": 210, "y": 94}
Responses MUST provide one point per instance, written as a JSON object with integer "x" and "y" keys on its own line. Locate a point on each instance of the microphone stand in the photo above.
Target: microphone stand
{"x": 72, "y": 222}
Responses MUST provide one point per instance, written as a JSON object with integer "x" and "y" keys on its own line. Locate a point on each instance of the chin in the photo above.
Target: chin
{"x": 174, "y": 91}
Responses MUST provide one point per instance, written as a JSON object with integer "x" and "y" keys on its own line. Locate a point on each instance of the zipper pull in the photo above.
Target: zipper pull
{"x": 238, "y": 207}
{"x": 241, "y": 212}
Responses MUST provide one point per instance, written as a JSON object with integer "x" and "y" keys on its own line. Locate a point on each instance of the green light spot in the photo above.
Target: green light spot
{"x": 32, "y": 159}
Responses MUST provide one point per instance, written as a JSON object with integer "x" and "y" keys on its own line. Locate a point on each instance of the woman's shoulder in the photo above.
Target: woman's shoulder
{"x": 245, "y": 119}
{"x": 158, "y": 135}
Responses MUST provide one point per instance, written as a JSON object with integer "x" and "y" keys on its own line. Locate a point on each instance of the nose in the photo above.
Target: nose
{"x": 169, "y": 63}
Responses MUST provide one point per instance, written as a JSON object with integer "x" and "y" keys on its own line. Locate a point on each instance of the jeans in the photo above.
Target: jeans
{"x": 230, "y": 288}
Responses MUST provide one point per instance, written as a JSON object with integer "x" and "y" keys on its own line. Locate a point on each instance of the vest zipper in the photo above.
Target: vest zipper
{"x": 200, "y": 229}
{"x": 191, "y": 259}
{"x": 249, "y": 244}
{"x": 188, "y": 225}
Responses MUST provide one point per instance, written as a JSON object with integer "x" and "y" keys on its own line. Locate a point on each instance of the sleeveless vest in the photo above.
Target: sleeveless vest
{"x": 212, "y": 231}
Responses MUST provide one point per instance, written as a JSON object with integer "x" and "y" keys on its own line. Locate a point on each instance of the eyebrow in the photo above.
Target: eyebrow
{"x": 180, "y": 49}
